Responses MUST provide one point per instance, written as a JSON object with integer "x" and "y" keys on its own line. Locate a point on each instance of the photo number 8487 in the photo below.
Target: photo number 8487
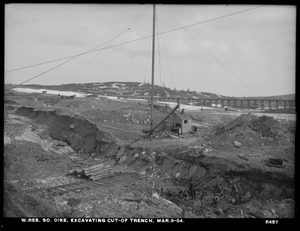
{"x": 271, "y": 222}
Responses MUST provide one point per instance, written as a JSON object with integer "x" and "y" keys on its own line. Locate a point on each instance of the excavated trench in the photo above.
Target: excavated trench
{"x": 80, "y": 134}
{"x": 183, "y": 168}
{"x": 208, "y": 173}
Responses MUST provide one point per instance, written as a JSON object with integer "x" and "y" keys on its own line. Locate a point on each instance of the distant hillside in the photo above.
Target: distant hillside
{"x": 139, "y": 89}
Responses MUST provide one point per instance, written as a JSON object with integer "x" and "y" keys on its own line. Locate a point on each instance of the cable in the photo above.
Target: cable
{"x": 148, "y": 54}
{"x": 158, "y": 51}
{"x": 165, "y": 50}
{"x": 210, "y": 54}
{"x": 64, "y": 62}
{"x": 128, "y": 27}
{"x": 135, "y": 40}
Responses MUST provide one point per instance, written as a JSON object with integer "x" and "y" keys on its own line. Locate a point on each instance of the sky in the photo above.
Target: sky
{"x": 198, "y": 47}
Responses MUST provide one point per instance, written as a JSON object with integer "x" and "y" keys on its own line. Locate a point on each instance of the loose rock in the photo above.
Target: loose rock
{"x": 237, "y": 144}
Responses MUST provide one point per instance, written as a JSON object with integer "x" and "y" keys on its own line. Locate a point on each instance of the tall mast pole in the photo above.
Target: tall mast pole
{"x": 153, "y": 55}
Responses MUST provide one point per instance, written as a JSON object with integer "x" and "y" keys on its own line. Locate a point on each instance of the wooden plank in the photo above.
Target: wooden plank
{"x": 68, "y": 187}
{"x": 90, "y": 184}
{"x": 61, "y": 188}
{"x": 75, "y": 187}
{"x": 132, "y": 199}
{"x": 91, "y": 169}
{"x": 102, "y": 174}
{"x": 99, "y": 172}
{"x": 94, "y": 166}
{"x": 100, "y": 177}
{"x": 104, "y": 183}
{"x": 96, "y": 182}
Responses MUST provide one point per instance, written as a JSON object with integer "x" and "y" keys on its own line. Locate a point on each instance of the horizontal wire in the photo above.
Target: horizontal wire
{"x": 210, "y": 54}
{"x": 134, "y": 40}
{"x": 68, "y": 60}
{"x": 129, "y": 26}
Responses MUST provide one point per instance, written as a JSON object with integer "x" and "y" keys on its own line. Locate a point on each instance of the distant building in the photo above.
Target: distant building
{"x": 179, "y": 122}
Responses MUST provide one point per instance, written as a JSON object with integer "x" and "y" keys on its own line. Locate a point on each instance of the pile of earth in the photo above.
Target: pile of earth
{"x": 79, "y": 133}
{"x": 251, "y": 130}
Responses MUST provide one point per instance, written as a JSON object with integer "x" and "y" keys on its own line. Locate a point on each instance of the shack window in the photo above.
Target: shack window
{"x": 185, "y": 121}
{"x": 177, "y": 125}
{"x": 195, "y": 129}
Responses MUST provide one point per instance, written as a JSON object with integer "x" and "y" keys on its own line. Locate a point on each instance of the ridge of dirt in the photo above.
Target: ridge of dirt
{"x": 77, "y": 132}
{"x": 251, "y": 130}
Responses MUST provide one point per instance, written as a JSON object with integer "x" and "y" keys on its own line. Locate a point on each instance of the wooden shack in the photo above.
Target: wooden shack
{"x": 179, "y": 123}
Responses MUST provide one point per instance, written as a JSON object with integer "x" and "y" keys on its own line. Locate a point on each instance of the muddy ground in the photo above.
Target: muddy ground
{"x": 228, "y": 161}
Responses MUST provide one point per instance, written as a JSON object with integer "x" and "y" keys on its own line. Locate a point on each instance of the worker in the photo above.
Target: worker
{"x": 202, "y": 197}
{"x": 93, "y": 155}
{"x": 234, "y": 190}
{"x": 192, "y": 190}
{"x": 162, "y": 192}
{"x": 185, "y": 195}
{"x": 169, "y": 194}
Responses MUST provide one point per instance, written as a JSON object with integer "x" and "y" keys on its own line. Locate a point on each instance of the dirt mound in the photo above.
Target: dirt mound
{"x": 77, "y": 132}
{"x": 251, "y": 130}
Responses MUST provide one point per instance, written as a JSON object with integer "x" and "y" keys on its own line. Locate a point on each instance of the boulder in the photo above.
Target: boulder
{"x": 267, "y": 214}
{"x": 122, "y": 160}
{"x": 61, "y": 143}
{"x": 237, "y": 144}
{"x": 155, "y": 195}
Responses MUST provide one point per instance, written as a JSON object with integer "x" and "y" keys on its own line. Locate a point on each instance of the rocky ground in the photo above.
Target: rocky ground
{"x": 242, "y": 166}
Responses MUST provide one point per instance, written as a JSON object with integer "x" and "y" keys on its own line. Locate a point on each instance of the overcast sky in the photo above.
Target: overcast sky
{"x": 246, "y": 54}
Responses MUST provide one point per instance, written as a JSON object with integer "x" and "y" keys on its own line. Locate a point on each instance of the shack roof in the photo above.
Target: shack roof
{"x": 182, "y": 116}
